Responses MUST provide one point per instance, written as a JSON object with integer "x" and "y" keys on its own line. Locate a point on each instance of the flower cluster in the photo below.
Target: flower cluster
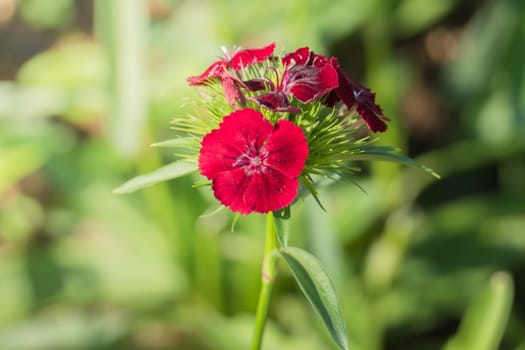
{"x": 306, "y": 76}
{"x": 274, "y": 123}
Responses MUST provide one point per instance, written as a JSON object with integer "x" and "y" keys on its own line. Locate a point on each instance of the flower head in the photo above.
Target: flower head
{"x": 273, "y": 126}
{"x": 253, "y": 165}
{"x": 306, "y": 76}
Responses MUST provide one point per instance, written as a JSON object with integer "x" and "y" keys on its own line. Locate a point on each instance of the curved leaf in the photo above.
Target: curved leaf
{"x": 167, "y": 172}
{"x": 179, "y": 142}
{"x": 387, "y": 154}
{"x": 318, "y": 289}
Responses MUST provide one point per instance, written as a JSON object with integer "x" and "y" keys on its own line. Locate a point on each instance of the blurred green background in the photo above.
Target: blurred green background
{"x": 86, "y": 87}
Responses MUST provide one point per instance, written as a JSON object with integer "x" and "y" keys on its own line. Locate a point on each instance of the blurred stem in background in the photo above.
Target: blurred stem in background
{"x": 485, "y": 320}
{"x": 386, "y": 254}
{"x": 122, "y": 27}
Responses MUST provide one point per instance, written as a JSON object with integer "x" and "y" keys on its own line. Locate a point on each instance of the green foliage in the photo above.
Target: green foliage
{"x": 316, "y": 286}
{"x": 167, "y": 172}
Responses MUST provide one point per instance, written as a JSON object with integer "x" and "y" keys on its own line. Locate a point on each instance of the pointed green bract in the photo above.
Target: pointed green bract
{"x": 167, "y": 172}
{"x": 236, "y": 217}
{"x": 318, "y": 289}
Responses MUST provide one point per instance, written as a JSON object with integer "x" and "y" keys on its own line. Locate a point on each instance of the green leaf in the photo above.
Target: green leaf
{"x": 179, "y": 142}
{"x": 382, "y": 153}
{"x": 167, "y": 172}
{"x": 122, "y": 28}
{"x": 318, "y": 289}
{"x": 282, "y": 225}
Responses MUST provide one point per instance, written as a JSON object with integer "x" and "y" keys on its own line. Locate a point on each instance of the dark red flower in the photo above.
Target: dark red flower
{"x": 253, "y": 165}
{"x": 309, "y": 83}
{"x": 359, "y": 97}
{"x": 307, "y": 76}
{"x": 239, "y": 60}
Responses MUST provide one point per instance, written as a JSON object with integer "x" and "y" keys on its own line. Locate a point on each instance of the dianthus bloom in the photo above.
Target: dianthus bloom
{"x": 306, "y": 76}
{"x": 222, "y": 69}
{"x": 279, "y": 122}
{"x": 253, "y": 165}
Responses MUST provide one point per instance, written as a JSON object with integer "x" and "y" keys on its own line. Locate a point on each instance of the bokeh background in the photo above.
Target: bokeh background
{"x": 86, "y": 87}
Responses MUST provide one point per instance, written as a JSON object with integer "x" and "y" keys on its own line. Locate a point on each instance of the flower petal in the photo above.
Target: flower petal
{"x": 239, "y": 60}
{"x": 216, "y": 155}
{"x": 213, "y": 71}
{"x": 300, "y": 56}
{"x": 247, "y": 57}
{"x": 287, "y": 148}
{"x": 368, "y": 109}
{"x": 363, "y": 99}
{"x": 345, "y": 92}
{"x": 308, "y": 83}
{"x": 232, "y": 90}
{"x": 247, "y": 127}
{"x": 305, "y": 57}
{"x": 270, "y": 191}
{"x": 229, "y": 188}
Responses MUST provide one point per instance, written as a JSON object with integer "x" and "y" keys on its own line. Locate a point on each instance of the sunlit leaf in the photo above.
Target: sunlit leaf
{"x": 318, "y": 289}
{"x": 167, "y": 172}
{"x": 175, "y": 143}
{"x": 182, "y": 142}
{"x": 382, "y": 153}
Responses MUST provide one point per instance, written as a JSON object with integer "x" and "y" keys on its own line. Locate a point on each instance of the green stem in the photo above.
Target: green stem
{"x": 269, "y": 271}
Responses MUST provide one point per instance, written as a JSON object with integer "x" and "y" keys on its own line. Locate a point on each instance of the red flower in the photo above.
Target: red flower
{"x": 363, "y": 99}
{"x": 253, "y": 165}
{"x": 308, "y": 83}
{"x": 239, "y": 60}
{"x": 307, "y": 76}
